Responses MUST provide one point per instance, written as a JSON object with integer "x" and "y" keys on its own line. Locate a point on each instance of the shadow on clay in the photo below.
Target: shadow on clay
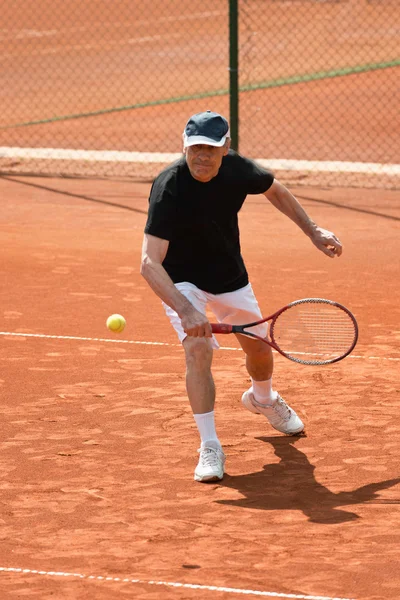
{"x": 291, "y": 485}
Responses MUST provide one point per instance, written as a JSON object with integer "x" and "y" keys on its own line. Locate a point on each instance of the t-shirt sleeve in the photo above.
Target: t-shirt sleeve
{"x": 161, "y": 218}
{"x": 256, "y": 179}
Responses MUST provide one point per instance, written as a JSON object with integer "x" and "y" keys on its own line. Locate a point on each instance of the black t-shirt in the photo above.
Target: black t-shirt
{"x": 200, "y": 221}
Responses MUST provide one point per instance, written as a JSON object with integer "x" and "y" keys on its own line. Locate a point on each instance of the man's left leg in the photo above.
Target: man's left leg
{"x": 261, "y": 398}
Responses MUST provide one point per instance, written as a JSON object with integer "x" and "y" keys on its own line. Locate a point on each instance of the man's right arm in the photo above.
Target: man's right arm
{"x": 154, "y": 251}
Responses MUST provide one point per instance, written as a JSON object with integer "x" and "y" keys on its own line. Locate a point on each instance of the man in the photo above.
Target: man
{"x": 192, "y": 259}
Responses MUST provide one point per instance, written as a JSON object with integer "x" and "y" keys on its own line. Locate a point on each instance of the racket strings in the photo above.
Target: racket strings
{"x": 314, "y": 329}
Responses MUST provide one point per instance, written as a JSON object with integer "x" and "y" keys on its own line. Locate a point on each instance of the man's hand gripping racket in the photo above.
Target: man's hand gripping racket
{"x": 312, "y": 331}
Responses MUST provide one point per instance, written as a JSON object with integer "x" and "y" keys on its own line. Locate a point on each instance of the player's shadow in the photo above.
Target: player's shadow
{"x": 291, "y": 485}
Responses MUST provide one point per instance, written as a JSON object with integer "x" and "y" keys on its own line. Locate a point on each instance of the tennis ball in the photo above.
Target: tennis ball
{"x": 116, "y": 323}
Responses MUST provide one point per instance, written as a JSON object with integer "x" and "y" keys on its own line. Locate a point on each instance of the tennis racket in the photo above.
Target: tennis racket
{"x": 312, "y": 331}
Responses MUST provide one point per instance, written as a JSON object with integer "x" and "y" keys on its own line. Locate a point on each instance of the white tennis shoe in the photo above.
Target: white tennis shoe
{"x": 279, "y": 414}
{"x": 211, "y": 462}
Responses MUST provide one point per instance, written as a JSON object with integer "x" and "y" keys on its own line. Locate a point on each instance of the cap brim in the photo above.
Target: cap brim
{"x": 193, "y": 140}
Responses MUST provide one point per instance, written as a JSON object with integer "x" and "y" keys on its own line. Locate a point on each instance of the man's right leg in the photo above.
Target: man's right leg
{"x": 201, "y": 393}
{"x": 200, "y": 386}
{"x": 199, "y": 380}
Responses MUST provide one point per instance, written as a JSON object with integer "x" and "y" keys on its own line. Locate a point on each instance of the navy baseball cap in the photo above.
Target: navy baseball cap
{"x": 208, "y": 128}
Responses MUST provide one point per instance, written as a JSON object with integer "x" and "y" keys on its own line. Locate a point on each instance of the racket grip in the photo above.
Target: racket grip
{"x": 221, "y": 328}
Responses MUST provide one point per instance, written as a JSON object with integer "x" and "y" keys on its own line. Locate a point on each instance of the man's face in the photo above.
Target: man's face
{"x": 204, "y": 161}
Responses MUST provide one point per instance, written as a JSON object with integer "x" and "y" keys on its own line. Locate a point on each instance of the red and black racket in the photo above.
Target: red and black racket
{"x": 312, "y": 331}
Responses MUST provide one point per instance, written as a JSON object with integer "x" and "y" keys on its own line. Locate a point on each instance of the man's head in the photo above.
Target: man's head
{"x": 205, "y": 142}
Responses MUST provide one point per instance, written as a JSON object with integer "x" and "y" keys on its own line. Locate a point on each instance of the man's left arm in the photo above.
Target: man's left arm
{"x": 284, "y": 201}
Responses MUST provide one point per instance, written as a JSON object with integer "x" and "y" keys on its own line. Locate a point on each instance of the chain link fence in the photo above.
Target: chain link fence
{"x": 105, "y": 88}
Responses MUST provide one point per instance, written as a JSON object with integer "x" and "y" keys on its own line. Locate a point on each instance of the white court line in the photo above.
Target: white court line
{"x": 17, "y": 34}
{"x": 89, "y": 339}
{"x": 122, "y": 41}
{"x": 142, "y": 343}
{"x": 55, "y": 49}
{"x": 188, "y": 586}
{"x": 333, "y": 166}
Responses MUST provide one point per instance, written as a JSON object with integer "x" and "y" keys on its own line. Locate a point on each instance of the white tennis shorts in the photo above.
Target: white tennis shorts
{"x": 236, "y": 308}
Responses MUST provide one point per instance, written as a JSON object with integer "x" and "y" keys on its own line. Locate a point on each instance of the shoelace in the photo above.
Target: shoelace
{"x": 282, "y": 409}
{"x": 209, "y": 457}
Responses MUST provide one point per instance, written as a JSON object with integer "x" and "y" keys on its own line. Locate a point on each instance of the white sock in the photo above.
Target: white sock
{"x": 263, "y": 392}
{"x": 206, "y": 425}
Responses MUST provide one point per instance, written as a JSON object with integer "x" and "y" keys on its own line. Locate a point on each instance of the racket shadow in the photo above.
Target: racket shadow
{"x": 291, "y": 485}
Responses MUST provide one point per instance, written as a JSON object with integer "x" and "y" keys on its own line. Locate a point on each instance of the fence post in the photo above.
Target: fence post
{"x": 234, "y": 73}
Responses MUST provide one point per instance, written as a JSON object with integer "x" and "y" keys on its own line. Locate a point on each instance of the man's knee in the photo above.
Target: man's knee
{"x": 255, "y": 348}
{"x": 198, "y": 350}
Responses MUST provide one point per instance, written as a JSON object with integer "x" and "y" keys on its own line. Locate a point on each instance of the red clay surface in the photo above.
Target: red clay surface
{"x": 98, "y": 444}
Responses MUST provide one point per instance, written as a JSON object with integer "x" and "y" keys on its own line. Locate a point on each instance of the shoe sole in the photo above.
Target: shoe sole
{"x": 297, "y": 432}
{"x": 209, "y": 479}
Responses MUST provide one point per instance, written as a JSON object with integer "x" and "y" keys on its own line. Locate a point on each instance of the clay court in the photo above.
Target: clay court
{"x": 98, "y": 443}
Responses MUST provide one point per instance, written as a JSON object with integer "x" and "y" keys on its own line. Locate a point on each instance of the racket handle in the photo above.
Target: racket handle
{"x": 221, "y": 328}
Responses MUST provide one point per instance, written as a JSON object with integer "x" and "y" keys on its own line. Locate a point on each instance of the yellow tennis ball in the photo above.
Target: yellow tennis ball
{"x": 116, "y": 323}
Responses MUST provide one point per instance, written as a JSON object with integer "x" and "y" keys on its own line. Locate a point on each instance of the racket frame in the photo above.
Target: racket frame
{"x": 225, "y": 328}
